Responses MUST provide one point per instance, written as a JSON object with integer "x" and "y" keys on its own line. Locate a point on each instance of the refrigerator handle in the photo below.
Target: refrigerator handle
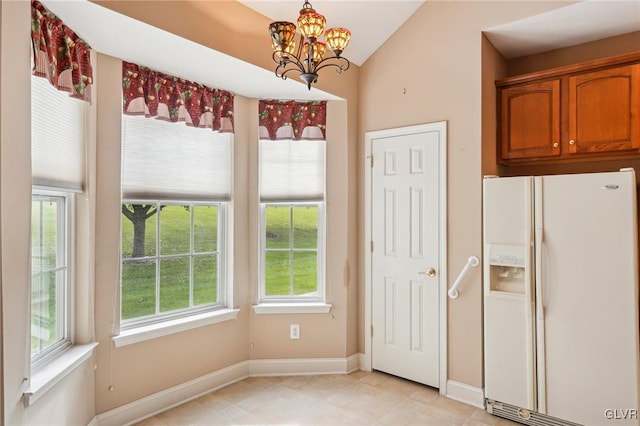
{"x": 528, "y": 243}
{"x": 539, "y": 240}
{"x": 538, "y": 273}
{"x": 529, "y": 301}
{"x": 539, "y": 285}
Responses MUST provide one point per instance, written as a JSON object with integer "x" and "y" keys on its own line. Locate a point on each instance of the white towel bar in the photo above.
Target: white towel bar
{"x": 472, "y": 262}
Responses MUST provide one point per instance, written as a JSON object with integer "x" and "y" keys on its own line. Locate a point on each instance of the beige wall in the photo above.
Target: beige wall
{"x": 185, "y": 356}
{"x": 438, "y": 66}
{"x": 494, "y": 67}
{"x": 236, "y": 30}
{"x": 611, "y": 46}
{"x": 15, "y": 204}
{"x": 71, "y": 401}
{"x": 437, "y": 57}
{"x": 148, "y": 367}
{"x": 321, "y": 335}
{"x": 141, "y": 369}
{"x": 131, "y": 372}
{"x": 2, "y": 401}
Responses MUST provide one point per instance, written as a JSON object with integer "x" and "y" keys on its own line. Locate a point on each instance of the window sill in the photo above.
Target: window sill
{"x": 51, "y": 374}
{"x": 292, "y": 308}
{"x": 152, "y": 331}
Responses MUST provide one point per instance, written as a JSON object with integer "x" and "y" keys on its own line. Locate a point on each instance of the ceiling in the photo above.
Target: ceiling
{"x": 371, "y": 21}
{"x": 567, "y": 26}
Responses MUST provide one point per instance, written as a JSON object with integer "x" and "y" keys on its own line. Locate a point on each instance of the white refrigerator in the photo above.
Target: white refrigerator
{"x": 561, "y": 299}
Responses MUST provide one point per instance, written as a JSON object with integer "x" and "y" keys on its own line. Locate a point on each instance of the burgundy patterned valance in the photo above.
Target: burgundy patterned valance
{"x": 59, "y": 54}
{"x": 292, "y": 120}
{"x": 170, "y": 98}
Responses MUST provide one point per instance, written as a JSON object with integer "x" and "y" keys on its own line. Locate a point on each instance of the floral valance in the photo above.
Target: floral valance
{"x": 170, "y": 98}
{"x": 292, "y": 120}
{"x": 59, "y": 54}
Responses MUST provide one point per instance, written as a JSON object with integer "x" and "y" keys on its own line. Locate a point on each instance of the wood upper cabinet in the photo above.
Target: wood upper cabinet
{"x": 604, "y": 110}
{"x": 530, "y": 120}
{"x": 581, "y": 112}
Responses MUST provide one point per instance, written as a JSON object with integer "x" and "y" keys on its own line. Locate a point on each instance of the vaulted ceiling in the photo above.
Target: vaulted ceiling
{"x": 371, "y": 21}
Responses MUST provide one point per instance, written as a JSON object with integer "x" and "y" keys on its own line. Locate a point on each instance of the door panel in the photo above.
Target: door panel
{"x": 405, "y": 236}
{"x": 604, "y": 110}
{"x": 589, "y": 295}
{"x": 508, "y": 319}
{"x": 530, "y": 120}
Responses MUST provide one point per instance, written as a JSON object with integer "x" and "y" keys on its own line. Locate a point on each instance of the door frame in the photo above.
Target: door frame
{"x": 441, "y": 127}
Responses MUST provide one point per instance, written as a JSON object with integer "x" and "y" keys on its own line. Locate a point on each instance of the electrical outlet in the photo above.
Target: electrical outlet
{"x": 294, "y": 331}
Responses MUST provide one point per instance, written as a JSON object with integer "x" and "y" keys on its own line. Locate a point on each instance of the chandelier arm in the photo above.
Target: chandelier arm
{"x": 276, "y": 57}
{"x": 284, "y": 73}
{"x": 341, "y": 67}
{"x": 295, "y": 60}
{"x": 281, "y": 70}
{"x": 280, "y": 75}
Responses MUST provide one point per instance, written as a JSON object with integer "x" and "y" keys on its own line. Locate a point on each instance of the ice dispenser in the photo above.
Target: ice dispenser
{"x": 507, "y": 268}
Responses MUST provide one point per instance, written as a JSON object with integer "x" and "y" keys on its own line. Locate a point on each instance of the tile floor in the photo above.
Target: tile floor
{"x": 359, "y": 398}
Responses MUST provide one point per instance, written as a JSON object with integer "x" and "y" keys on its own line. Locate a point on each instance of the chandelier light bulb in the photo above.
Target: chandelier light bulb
{"x": 311, "y": 24}
{"x": 337, "y": 39}
{"x": 282, "y": 34}
{"x": 288, "y": 50}
{"x": 319, "y": 49}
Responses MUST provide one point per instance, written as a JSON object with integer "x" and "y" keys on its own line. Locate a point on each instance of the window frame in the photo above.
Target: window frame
{"x": 66, "y": 242}
{"x": 320, "y": 249}
{"x": 223, "y": 282}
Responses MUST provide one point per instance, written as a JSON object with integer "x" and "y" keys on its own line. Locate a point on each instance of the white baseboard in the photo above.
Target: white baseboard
{"x": 353, "y": 363}
{"x": 303, "y": 366}
{"x": 174, "y": 396}
{"x": 465, "y": 393}
{"x": 365, "y": 362}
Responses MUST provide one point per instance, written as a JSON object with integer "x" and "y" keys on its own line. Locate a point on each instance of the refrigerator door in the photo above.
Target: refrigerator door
{"x": 588, "y": 294}
{"x": 508, "y": 301}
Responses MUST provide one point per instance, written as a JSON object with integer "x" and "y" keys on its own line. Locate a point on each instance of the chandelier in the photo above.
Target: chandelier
{"x": 307, "y": 55}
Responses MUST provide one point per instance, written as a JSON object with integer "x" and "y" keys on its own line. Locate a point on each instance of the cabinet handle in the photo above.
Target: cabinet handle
{"x": 555, "y": 144}
{"x": 572, "y": 142}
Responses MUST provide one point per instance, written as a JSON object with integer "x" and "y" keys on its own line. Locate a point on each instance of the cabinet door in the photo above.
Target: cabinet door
{"x": 604, "y": 110}
{"x": 530, "y": 121}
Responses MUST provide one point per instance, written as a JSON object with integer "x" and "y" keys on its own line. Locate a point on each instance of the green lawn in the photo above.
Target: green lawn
{"x": 43, "y": 284}
{"x": 288, "y": 271}
{"x": 280, "y": 258}
{"x": 139, "y": 275}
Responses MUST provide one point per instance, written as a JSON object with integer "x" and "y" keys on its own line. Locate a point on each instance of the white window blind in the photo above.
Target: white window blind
{"x": 57, "y": 137}
{"x": 171, "y": 161}
{"x": 292, "y": 170}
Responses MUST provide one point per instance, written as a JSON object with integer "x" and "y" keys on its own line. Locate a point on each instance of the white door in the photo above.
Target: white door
{"x": 509, "y": 349}
{"x": 587, "y": 299}
{"x": 405, "y": 259}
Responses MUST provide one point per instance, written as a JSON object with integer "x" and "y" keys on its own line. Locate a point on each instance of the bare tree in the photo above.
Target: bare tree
{"x": 138, "y": 215}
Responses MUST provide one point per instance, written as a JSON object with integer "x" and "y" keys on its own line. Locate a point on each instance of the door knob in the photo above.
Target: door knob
{"x": 429, "y": 272}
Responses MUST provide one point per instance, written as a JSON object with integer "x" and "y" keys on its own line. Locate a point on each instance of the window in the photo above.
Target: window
{"x": 50, "y": 274}
{"x": 176, "y": 186}
{"x": 171, "y": 257}
{"x": 292, "y": 221}
{"x": 57, "y": 151}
